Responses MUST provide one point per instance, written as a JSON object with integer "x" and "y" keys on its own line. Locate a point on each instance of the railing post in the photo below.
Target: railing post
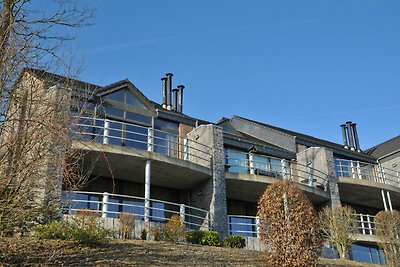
{"x": 105, "y": 205}
{"x": 359, "y": 170}
{"x": 353, "y": 173}
{"x": 362, "y": 223}
{"x": 369, "y": 224}
{"x": 258, "y": 226}
{"x": 251, "y": 163}
{"x": 182, "y": 213}
{"x": 285, "y": 168}
{"x": 106, "y": 132}
{"x": 150, "y": 139}
{"x": 310, "y": 176}
{"x": 185, "y": 149}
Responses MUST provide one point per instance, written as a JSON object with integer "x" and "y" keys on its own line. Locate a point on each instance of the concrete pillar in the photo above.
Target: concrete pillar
{"x": 104, "y": 209}
{"x": 106, "y": 132}
{"x": 147, "y": 175}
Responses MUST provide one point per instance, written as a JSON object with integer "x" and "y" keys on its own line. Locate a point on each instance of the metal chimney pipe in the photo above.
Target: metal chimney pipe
{"x": 180, "y": 98}
{"x": 175, "y": 99}
{"x": 164, "y": 92}
{"x": 169, "y": 89}
{"x": 357, "y": 143}
{"x": 344, "y": 134}
{"x": 350, "y": 134}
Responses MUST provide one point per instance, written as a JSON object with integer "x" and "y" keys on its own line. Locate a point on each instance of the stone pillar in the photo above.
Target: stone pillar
{"x": 211, "y": 195}
{"x": 321, "y": 159}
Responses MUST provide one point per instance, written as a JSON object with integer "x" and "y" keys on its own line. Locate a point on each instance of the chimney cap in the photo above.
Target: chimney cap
{"x": 347, "y": 122}
{"x": 163, "y": 78}
{"x": 169, "y": 74}
{"x": 175, "y": 90}
{"x": 181, "y": 86}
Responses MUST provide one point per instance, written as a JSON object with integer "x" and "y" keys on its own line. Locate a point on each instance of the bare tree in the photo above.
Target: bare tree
{"x": 388, "y": 230}
{"x": 338, "y": 226}
{"x": 35, "y": 116}
{"x": 288, "y": 226}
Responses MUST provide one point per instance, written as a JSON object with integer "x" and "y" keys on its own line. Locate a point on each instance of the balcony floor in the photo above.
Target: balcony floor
{"x": 129, "y": 164}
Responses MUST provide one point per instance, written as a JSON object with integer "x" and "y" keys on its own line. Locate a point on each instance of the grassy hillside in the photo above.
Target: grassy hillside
{"x": 31, "y": 252}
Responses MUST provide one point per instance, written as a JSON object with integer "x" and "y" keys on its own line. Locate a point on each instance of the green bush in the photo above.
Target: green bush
{"x": 205, "y": 238}
{"x": 210, "y": 238}
{"x": 143, "y": 234}
{"x": 194, "y": 237}
{"x": 53, "y": 230}
{"x": 234, "y": 242}
{"x": 84, "y": 228}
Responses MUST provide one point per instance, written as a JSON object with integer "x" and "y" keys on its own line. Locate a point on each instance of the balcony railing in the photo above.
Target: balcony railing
{"x": 112, "y": 205}
{"x": 277, "y": 168}
{"x": 365, "y": 224}
{"x": 243, "y": 225}
{"x": 367, "y": 171}
{"x": 249, "y": 225}
{"x": 113, "y": 132}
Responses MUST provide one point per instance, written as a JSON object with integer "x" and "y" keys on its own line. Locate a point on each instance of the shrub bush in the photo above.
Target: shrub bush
{"x": 143, "y": 234}
{"x": 210, "y": 238}
{"x": 174, "y": 229}
{"x": 53, "y": 230}
{"x": 85, "y": 228}
{"x": 194, "y": 237}
{"x": 126, "y": 224}
{"x": 234, "y": 242}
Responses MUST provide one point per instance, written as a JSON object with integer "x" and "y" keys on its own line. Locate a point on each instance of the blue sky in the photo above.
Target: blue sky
{"x": 307, "y": 66}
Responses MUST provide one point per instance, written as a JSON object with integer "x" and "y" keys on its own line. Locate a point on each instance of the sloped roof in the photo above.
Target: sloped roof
{"x": 312, "y": 141}
{"x": 53, "y": 78}
{"x": 385, "y": 148}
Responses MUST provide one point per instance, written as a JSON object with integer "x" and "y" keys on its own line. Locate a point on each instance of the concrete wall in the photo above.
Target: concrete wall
{"x": 321, "y": 159}
{"x": 211, "y": 195}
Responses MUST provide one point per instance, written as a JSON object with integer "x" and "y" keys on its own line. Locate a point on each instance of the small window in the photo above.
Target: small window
{"x": 132, "y": 100}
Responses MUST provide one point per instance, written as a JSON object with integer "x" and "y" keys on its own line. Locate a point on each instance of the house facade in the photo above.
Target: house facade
{"x": 154, "y": 161}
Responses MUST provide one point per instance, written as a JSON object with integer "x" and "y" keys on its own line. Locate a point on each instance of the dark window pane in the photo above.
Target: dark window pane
{"x": 138, "y": 117}
{"x": 166, "y": 125}
{"x": 115, "y": 133}
{"x": 113, "y": 112}
{"x": 237, "y": 161}
{"x": 165, "y": 143}
{"x": 132, "y": 100}
{"x": 117, "y": 96}
{"x": 136, "y": 136}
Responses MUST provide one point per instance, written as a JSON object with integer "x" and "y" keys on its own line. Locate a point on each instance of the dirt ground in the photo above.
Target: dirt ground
{"x": 31, "y": 252}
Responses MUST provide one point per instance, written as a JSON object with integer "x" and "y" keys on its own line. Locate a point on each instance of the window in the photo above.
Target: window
{"x": 236, "y": 161}
{"x": 124, "y": 96}
{"x": 366, "y": 253}
{"x": 242, "y": 226}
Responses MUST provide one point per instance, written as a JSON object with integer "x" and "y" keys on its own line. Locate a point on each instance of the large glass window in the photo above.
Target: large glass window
{"x": 236, "y": 161}
{"x": 136, "y": 136}
{"x": 365, "y": 253}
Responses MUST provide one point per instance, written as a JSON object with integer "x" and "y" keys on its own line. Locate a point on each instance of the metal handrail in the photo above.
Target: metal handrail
{"x": 367, "y": 171}
{"x": 297, "y": 172}
{"x": 192, "y": 217}
{"x": 106, "y": 131}
{"x": 252, "y": 226}
{"x": 364, "y": 224}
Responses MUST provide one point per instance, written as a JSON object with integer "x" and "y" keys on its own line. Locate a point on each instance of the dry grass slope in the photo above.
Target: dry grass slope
{"x": 31, "y": 252}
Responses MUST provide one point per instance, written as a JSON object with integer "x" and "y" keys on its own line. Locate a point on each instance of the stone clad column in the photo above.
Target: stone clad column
{"x": 211, "y": 195}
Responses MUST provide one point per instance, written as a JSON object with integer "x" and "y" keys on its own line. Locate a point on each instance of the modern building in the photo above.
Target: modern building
{"x": 153, "y": 160}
